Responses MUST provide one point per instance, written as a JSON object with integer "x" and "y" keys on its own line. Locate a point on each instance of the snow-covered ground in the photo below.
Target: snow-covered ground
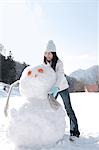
{"x": 86, "y": 107}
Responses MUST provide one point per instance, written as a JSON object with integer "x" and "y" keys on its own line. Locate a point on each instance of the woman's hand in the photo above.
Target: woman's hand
{"x": 54, "y": 91}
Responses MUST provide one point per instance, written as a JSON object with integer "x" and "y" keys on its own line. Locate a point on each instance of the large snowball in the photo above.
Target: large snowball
{"x": 38, "y": 83}
{"x": 36, "y": 123}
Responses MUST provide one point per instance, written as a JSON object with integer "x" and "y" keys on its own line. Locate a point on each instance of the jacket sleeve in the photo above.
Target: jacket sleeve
{"x": 59, "y": 73}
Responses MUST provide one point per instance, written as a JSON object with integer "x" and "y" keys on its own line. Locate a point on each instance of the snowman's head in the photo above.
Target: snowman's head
{"x": 37, "y": 81}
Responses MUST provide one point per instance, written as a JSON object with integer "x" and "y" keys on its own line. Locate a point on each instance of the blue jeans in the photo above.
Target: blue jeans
{"x": 70, "y": 112}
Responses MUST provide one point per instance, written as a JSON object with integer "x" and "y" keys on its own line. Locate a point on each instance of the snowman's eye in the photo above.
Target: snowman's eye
{"x": 40, "y": 70}
{"x": 29, "y": 73}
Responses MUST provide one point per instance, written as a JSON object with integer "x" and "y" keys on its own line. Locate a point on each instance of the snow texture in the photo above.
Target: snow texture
{"x": 86, "y": 109}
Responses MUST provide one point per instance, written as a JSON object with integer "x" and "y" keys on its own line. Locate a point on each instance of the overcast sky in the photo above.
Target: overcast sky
{"x": 27, "y": 25}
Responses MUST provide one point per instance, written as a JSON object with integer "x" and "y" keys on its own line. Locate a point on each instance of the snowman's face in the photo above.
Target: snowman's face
{"x": 37, "y": 81}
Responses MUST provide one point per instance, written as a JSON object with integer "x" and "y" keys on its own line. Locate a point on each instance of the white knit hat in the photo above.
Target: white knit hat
{"x": 50, "y": 47}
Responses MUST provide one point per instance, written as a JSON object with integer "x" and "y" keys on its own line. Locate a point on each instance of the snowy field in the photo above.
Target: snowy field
{"x": 86, "y": 107}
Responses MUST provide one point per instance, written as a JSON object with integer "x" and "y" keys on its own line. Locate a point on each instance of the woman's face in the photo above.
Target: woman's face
{"x": 48, "y": 55}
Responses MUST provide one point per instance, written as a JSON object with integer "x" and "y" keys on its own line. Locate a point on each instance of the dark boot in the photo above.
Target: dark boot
{"x": 75, "y": 133}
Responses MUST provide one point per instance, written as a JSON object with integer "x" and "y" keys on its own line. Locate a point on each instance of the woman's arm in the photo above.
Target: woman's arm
{"x": 59, "y": 73}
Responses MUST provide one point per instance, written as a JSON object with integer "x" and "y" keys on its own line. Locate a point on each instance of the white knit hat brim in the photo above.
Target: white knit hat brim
{"x": 50, "y": 50}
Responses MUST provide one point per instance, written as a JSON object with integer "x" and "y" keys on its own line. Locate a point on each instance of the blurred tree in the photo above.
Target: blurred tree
{"x": 10, "y": 68}
{"x": 7, "y": 69}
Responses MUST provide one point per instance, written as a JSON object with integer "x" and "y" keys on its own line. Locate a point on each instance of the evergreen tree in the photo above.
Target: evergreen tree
{"x": 11, "y": 69}
{"x": 7, "y": 69}
{"x": 3, "y": 74}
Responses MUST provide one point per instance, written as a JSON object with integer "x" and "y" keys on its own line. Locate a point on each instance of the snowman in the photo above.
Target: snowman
{"x": 40, "y": 121}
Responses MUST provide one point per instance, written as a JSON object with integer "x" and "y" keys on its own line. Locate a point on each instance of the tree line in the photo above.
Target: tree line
{"x": 8, "y": 69}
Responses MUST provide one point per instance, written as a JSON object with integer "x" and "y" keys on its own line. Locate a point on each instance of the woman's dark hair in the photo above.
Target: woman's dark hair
{"x": 54, "y": 60}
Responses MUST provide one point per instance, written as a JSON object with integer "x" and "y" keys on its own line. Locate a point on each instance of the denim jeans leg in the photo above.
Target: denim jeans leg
{"x": 66, "y": 100}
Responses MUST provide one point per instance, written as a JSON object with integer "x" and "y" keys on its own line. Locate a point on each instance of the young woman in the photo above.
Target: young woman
{"x": 61, "y": 86}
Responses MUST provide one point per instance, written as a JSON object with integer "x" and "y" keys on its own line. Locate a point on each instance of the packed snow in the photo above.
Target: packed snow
{"x": 85, "y": 105}
{"x": 86, "y": 108}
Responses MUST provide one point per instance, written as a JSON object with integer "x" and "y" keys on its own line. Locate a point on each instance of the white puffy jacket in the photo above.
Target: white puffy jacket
{"x": 61, "y": 81}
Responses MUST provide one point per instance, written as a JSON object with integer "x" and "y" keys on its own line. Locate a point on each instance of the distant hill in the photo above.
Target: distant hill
{"x": 88, "y": 76}
{"x": 75, "y": 85}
